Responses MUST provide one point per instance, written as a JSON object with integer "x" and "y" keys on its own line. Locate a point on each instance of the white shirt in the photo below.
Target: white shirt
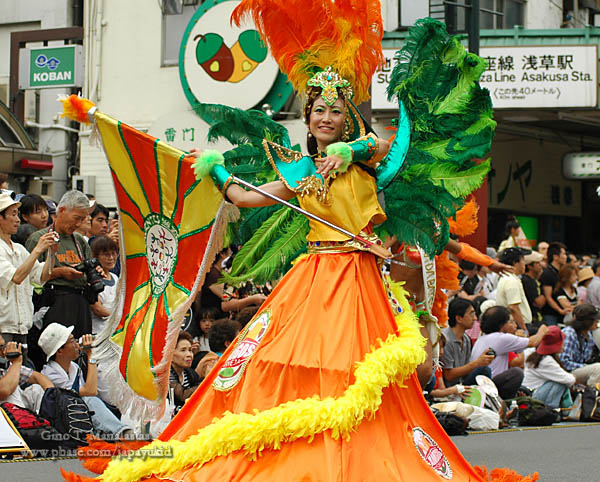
{"x": 107, "y": 297}
{"x": 502, "y": 344}
{"x": 16, "y": 306}
{"x": 60, "y": 377}
{"x": 547, "y": 370}
{"x": 510, "y": 292}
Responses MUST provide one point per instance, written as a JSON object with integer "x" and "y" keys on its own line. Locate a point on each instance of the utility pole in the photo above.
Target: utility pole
{"x": 473, "y": 30}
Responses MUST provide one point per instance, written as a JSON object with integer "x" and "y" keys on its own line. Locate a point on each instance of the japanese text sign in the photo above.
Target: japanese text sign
{"x": 541, "y": 76}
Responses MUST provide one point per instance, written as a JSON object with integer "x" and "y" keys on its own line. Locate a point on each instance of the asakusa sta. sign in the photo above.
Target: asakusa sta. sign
{"x": 541, "y": 76}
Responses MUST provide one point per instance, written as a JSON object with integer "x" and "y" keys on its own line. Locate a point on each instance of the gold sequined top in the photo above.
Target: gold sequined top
{"x": 351, "y": 204}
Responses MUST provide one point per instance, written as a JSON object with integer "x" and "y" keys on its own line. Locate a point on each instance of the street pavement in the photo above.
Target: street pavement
{"x": 559, "y": 453}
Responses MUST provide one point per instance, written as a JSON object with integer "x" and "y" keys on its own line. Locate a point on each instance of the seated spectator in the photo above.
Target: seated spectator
{"x": 222, "y": 333}
{"x": 579, "y": 345}
{"x": 14, "y": 374}
{"x": 497, "y": 324}
{"x": 183, "y": 380}
{"x": 552, "y": 312}
{"x": 565, "y": 293}
{"x": 245, "y": 315}
{"x": 545, "y": 375}
{"x": 61, "y": 350}
{"x": 236, "y": 299}
{"x": 512, "y": 230}
{"x": 456, "y": 367}
{"x": 510, "y": 292}
{"x": 438, "y": 388}
{"x": 34, "y": 216}
{"x": 471, "y": 285}
{"x": 106, "y": 251}
{"x": 584, "y": 278}
{"x": 201, "y": 329}
{"x": 531, "y": 286}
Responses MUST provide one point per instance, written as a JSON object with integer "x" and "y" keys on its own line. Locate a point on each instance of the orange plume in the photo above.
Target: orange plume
{"x": 76, "y": 108}
{"x": 305, "y": 37}
{"x": 446, "y": 272}
{"x": 466, "y": 220}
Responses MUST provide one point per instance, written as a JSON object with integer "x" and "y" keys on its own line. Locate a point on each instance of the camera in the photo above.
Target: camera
{"x": 491, "y": 351}
{"x": 88, "y": 267}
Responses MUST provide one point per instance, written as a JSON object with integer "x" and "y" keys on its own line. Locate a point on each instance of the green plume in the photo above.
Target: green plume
{"x": 276, "y": 258}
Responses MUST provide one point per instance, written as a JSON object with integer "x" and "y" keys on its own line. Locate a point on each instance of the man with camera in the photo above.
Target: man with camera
{"x": 19, "y": 269}
{"x": 75, "y": 279}
{"x": 13, "y": 374}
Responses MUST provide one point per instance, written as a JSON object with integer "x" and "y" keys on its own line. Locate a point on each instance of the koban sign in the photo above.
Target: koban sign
{"x": 51, "y": 67}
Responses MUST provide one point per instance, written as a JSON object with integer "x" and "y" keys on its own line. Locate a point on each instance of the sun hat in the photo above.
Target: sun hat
{"x": 6, "y": 201}
{"x": 585, "y": 274}
{"x": 53, "y": 338}
{"x": 551, "y": 342}
{"x": 533, "y": 257}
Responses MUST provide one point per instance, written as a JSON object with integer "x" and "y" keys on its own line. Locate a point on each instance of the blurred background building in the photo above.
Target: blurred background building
{"x": 146, "y": 63}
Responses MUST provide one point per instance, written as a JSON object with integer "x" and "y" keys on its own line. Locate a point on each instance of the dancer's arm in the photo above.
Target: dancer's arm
{"x": 211, "y": 162}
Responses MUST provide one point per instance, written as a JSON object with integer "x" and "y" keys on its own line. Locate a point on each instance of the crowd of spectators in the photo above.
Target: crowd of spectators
{"x": 529, "y": 329}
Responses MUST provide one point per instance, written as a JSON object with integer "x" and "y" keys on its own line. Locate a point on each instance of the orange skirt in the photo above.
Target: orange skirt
{"x": 325, "y": 315}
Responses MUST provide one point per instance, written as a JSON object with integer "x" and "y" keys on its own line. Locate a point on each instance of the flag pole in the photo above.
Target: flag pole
{"x": 374, "y": 248}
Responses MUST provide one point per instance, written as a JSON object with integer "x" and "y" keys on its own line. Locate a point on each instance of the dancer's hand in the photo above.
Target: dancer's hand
{"x": 328, "y": 164}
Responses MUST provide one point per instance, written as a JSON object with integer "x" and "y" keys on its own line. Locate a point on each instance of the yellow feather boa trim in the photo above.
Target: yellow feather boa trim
{"x": 393, "y": 361}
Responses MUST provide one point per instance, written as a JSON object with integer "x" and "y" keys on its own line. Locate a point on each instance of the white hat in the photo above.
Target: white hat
{"x": 53, "y": 338}
{"x": 533, "y": 257}
{"x": 7, "y": 201}
{"x": 486, "y": 305}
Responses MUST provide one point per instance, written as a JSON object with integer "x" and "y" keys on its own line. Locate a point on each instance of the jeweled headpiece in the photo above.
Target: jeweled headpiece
{"x": 329, "y": 82}
{"x": 309, "y": 37}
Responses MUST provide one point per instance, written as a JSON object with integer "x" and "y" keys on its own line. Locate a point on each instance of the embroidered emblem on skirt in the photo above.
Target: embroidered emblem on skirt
{"x": 249, "y": 340}
{"x": 431, "y": 453}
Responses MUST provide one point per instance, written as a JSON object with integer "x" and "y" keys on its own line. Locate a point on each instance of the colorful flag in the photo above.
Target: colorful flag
{"x": 169, "y": 237}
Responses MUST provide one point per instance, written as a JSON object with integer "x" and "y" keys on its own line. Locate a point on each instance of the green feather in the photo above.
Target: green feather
{"x": 459, "y": 183}
{"x": 458, "y": 100}
{"x": 255, "y": 247}
{"x": 272, "y": 263}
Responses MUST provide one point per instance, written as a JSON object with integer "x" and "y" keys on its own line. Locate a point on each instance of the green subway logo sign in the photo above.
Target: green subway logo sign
{"x": 51, "y": 67}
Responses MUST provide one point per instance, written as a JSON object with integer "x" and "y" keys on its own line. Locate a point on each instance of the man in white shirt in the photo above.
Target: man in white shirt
{"x": 18, "y": 270}
{"x": 510, "y": 292}
{"x": 61, "y": 350}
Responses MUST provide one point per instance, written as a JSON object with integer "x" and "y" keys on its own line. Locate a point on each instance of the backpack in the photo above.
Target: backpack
{"x": 69, "y": 414}
{"x": 535, "y": 413}
{"x": 590, "y": 405}
{"x": 36, "y": 431}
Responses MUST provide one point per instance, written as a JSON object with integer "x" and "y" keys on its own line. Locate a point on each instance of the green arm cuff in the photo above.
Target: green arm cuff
{"x": 364, "y": 150}
{"x": 221, "y": 177}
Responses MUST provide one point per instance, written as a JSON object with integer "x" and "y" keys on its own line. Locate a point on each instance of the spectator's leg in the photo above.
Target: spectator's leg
{"x": 103, "y": 419}
{"x": 470, "y": 378}
{"x": 588, "y": 374}
{"x": 32, "y": 396}
{"x": 551, "y": 393}
{"x": 508, "y": 382}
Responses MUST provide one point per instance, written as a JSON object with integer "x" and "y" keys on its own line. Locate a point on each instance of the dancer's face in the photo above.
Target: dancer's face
{"x": 326, "y": 122}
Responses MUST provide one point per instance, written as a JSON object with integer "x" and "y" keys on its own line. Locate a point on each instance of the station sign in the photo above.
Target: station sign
{"x": 541, "y": 76}
{"x": 51, "y": 67}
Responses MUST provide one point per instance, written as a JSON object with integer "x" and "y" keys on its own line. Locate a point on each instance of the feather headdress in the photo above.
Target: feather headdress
{"x": 307, "y": 37}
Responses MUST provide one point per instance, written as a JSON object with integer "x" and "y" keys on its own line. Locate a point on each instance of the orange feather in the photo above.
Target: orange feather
{"x": 305, "y": 37}
{"x": 466, "y": 220}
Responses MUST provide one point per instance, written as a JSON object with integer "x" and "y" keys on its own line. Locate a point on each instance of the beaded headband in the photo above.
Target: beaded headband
{"x": 329, "y": 81}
